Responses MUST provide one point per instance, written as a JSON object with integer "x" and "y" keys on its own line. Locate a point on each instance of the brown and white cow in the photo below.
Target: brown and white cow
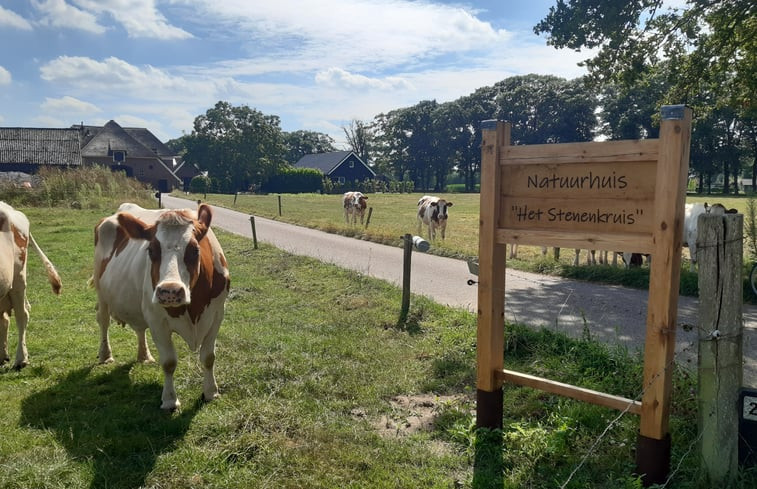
{"x": 432, "y": 212}
{"x": 163, "y": 270}
{"x": 14, "y": 240}
{"x": 354, "y": 206}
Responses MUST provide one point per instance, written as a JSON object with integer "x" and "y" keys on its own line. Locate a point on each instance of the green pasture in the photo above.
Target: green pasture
{"x": 310, "y": 372}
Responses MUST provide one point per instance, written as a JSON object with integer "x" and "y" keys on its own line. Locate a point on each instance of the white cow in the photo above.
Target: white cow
{"x": 14, "y": 240}
{"x": 163, "y": 270}
{"x": 354, "y": 207}
{"x": 432, "y": 212}
{"x": 690, "y": 224}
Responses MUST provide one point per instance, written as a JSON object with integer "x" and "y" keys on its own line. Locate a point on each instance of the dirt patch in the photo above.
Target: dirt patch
{"x": 412, "y": 414}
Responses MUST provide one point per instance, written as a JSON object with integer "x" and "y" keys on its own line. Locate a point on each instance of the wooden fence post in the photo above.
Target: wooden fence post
{"x": 720, "y": 259}
{"x": 653, "y": 444}
{"x": 406, "y": 267}
{"x": 254, "y": 233}
{"x": 490, "y": 347}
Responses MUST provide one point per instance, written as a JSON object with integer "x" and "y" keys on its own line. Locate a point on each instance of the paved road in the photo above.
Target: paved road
{"x": 612, "y": 314}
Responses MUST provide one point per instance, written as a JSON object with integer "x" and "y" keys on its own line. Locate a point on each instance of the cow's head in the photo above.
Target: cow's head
{"x": 174, "y": 245}
{"x": 440, "y": 210}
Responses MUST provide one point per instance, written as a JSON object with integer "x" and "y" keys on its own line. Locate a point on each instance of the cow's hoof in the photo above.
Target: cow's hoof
{"x": 170, "y": 407}
{"x": 19, "y": 366}
{"x": 211, "y": 398}
{"x": 106, "y": 361}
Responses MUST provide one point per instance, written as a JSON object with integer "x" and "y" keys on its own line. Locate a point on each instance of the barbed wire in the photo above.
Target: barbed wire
{"x": 623, "y": 413}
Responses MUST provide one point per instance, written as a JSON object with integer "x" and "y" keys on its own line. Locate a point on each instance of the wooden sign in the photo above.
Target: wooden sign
{"x": 600, "y": 189}
{"x": 612, "y": 195}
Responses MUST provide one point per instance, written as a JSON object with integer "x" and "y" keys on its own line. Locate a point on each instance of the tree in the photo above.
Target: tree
{"x": 705, "y": 38}
{"x": 359, "y": 138}
{"x": 238, "y": 146}
{"x": 546, "y": 109}
{"x": 301, "y": 143}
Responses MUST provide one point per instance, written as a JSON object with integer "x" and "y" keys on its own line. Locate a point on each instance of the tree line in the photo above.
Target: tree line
{"x": 704, "y": 56}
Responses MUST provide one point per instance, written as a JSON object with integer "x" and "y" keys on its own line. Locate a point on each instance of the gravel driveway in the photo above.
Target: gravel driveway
{"x": 612, "y": 314}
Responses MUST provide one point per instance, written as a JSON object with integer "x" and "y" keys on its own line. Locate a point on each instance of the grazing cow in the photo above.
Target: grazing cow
{"x": 432, "y": 212}
{"x": 690, "y": 224}
{"x": 354, "y": 206}
{"x": 163, "y": 270}
{"x": 14, "y": 240}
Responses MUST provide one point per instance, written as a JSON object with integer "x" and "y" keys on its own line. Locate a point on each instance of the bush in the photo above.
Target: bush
{"x": 199, "y": 184}
{"x": 92, "y": 187}
{"x": 295, "y": 181}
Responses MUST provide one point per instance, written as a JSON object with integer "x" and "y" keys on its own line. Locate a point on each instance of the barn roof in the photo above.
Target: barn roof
{"x": 112, "y": 137}
{"x": 40, "y": 146}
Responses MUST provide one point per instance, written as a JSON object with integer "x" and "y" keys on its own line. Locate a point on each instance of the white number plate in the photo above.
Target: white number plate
{"x": 750, "y": 408}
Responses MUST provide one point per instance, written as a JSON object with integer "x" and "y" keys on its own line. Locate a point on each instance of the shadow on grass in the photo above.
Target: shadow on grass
{"x": 488, "y": 465}
{"x": 108, "y": 420}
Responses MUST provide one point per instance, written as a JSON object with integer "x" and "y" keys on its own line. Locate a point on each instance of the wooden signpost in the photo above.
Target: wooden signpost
{"x": 611, "y": 195}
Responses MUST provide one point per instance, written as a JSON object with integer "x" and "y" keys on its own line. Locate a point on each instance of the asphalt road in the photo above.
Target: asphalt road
{"x": 611, "y": 314}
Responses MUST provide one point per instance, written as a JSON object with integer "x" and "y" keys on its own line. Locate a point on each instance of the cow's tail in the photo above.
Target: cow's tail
{"x": 52, "y": 273}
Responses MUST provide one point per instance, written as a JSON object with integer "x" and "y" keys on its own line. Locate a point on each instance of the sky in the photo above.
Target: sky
{"x": 316, "y": 64}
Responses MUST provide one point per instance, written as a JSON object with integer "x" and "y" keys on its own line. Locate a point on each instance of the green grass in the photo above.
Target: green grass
{"x": 308, "y": 360}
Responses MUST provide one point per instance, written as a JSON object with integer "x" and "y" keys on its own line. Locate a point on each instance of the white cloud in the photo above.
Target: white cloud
{"x": 140, "y": 18}
{"x": 57, "y": 13}
{"x": 115, "y": 77}
{"x": 69, "y": 105}
{"x": 353, "y": 34}
{"x": 337, "y": 77}
{"x": 8, "y": 18}
{"x": 5, "y": 76}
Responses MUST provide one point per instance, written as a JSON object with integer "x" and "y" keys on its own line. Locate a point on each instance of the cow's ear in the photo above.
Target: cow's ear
{"x": 135, "y": 228}
{"x": 449, "y": 204}
{"x": 204, "y": 216}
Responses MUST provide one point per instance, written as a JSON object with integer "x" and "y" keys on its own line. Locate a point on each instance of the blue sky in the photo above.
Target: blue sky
{"x": 316, "y": 64}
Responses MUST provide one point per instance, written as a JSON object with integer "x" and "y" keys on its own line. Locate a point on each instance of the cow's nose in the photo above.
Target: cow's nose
{"x": 170, "y": 293}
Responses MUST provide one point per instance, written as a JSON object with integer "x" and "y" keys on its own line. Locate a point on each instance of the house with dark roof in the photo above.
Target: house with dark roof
{"x": 133, "y": 150}
{"x": 341, "y": 166}
{"x": 138, "y": 153}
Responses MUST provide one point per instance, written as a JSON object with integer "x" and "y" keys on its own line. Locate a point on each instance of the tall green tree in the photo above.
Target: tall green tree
{"x": 237, "y": 145}
{"x": 546, "y": 109}
{"x": 301, "y": 143}
{"x": 704, "y": 38}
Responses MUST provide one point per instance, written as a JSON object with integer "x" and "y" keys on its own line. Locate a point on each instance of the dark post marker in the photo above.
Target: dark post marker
{"x": 408, "y": 239}
{"x": 254, "y": 234}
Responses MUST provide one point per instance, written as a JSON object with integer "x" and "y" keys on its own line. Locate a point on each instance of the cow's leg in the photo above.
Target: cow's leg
{"x": 21, "y": 310}
{"x": 105, "y": 355}
{"x": 513, "y": 251}
{"x": 575, "y": 260}
{"x": 168, "y": 361}
{"x": 4, "y": 324}
{"x": 143, "y": 351}
{"x": 207, "y": 359}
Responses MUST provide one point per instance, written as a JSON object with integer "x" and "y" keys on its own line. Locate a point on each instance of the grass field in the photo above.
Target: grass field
{"x": 320, "y": 388}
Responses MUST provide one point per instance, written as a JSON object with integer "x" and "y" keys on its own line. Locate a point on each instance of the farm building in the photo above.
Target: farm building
{"x": 135, "y": 151}
{"x": 341, "y": 166}
{"x": 24, "y": 149}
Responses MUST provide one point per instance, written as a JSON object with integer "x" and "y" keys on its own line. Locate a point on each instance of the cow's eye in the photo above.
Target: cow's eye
{"x": 192, "y": 254}
{"x": 153, "y": 250}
